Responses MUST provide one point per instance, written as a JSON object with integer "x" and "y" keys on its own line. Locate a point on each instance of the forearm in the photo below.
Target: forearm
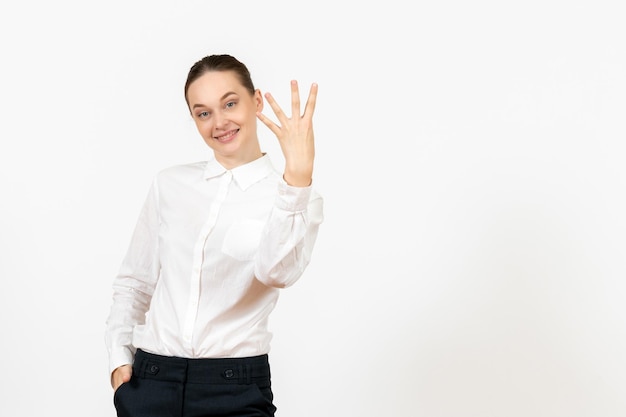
{"x": 299, "y": 168}
{"x": 290, "y": 235}
{"x": 127, "y": 311}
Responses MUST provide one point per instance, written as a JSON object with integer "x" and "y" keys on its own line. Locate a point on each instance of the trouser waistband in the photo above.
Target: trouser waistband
{"x": 202, "y": 371}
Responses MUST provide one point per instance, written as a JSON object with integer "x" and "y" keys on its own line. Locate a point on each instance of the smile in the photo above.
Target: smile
{"x": 227, "y": 136}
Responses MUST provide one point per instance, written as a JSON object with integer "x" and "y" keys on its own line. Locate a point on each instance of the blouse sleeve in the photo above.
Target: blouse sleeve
{"x": 134, "y": 284}
{"x": 289, "y": 236}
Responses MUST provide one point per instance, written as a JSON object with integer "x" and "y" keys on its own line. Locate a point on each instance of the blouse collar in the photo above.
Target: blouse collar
{"x": 244, "y": 175}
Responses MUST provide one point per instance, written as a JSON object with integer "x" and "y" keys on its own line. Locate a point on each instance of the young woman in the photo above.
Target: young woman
{"x": 187, "y": 334}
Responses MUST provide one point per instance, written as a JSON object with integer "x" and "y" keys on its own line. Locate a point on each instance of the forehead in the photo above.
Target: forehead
{"x": 212, "y": 86}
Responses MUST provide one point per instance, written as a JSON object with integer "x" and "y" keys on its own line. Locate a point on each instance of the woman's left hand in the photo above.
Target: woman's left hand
{"x": 295, "y": 135}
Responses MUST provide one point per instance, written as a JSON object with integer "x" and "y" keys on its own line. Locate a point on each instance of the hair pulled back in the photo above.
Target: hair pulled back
{"x": 220, "y": 62}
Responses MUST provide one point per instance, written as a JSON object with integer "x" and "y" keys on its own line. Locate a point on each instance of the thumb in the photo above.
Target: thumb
{"x": 127, "y": 371}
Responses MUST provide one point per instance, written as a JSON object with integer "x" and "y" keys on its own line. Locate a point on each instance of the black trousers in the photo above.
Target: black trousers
{"x": 163, "y": 386}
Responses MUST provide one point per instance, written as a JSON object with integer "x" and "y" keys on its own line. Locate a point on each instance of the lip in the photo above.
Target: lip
{"x": 226, "y": 136}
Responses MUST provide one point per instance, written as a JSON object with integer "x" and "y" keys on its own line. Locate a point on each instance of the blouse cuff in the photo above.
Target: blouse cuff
{"x": 293, "y": 199}
{"x": 119, "y": 357}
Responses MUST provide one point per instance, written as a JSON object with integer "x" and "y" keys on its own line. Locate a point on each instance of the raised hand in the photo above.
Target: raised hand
{"x": 295, "y": 135}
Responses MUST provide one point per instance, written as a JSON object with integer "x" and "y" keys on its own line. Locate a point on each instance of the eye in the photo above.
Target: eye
{"x": 203, "y": 115}
{"x": 230, "y": 104}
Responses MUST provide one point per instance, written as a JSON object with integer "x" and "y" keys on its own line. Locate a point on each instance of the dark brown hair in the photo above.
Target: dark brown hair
{"x": 222, "y": 62}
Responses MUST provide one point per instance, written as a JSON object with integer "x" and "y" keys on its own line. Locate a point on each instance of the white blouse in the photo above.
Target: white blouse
{"x": 210, "y": 251}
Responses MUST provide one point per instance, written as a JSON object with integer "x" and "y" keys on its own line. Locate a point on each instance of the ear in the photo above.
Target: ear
{"x": 258, "y": 98}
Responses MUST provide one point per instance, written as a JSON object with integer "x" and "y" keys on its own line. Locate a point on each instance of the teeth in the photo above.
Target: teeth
{"x": 226, "y": 137}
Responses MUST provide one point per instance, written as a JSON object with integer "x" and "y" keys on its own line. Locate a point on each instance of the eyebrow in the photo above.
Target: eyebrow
{"x": 221, "y": 98}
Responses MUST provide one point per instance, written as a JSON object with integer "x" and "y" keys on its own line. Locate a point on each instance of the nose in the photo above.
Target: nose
{"x": 220, "y": 120}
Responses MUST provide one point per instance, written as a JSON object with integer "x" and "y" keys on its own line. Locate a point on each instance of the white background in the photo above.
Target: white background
{"x": 471, "y": 156}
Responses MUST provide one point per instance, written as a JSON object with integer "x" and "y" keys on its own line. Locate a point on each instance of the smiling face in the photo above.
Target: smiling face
{"x": 225, "y": 115}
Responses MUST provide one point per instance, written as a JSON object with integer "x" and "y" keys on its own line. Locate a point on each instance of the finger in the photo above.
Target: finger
{"x": 295, "y": 99}
{"x": 127, "y": 374}
{"x": 282, "y": 118}
{"x": 268, "y": 122}
{"x": 309, "y": 108}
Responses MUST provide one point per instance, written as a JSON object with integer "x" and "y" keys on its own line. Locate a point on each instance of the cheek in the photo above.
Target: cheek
{"x": 243, "y": 115}
{"x": 204, "y": 127}
{"x": 248, "y": 118}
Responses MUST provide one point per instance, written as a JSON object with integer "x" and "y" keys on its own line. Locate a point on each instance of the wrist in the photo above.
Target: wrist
{"x": 298, "y": 181}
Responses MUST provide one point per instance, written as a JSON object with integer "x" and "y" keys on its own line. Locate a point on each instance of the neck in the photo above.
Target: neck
{"x": 231, "y": 162}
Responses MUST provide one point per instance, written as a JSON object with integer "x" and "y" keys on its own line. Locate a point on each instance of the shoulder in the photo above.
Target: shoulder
{"x": 179, "y": 175}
